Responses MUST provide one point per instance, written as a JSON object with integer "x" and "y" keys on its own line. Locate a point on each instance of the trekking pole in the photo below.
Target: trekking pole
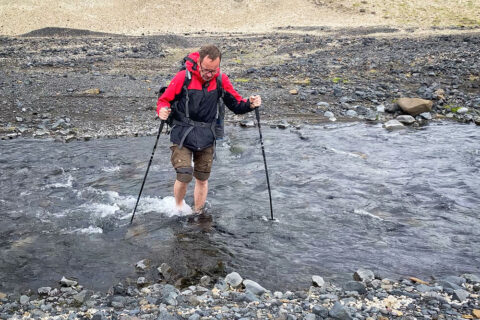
{"x": 148, "y": 168}
{"x": 257, "y": 114}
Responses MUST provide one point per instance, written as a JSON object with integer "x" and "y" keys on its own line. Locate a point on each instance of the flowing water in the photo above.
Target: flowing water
{"x": 345, "y": 196}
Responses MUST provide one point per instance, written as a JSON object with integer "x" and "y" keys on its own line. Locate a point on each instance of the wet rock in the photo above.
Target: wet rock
{"x": 371, "y": 116}
{"x": 41, "y": 133}
{"x": 392, "y": 108}
{"x": 60, "y": 124}
{"x": 393, "y": 125}
{"x": 142, "y": 281}
{"x": 329, "y": 115}
{"x": 426, "y": 115}
{"x": 119, "y": 289}
{"x": 67, "y": 282}
{"x": 462, "y": 110}
{"x": 364, "y": 275}
{"x": 406, "y": 119}
{"x": 471, "y": 278}
{"x": 69, "y": 138}
{"x": 233, "y": 279}
{"x": 414, "y": 106}
{"x": 351, "y": 113}
{"x": 166, "y": 271}
{"x": 80, "y": 297}
{"x": 142, "y": 265}
{"x": 283, "y": 125}
{"x": 247, "y": 123}
{"x": 318, "y": 281}
{"x": 323, "y": 105}
{"x": 205, "y": 280}
{"x": 44, "y": 291}
{"x": 254, "y": 287}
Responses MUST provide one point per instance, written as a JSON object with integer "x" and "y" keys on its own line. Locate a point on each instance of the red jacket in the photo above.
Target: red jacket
{"x": 202, "y": 105}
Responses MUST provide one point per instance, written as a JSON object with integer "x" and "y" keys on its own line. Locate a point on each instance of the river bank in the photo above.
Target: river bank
{"x": 79, "y": 85}
{"x": 75, "y": 85}
{"x": 366, "y": 296}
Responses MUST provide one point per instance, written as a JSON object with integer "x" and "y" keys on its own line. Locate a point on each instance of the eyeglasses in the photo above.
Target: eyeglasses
{"x": 206, "y": 71}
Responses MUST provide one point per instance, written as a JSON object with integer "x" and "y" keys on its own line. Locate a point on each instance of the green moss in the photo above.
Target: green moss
{"x": 451, "y": 108}
{"x": 339, "y": 80}
{"x": 242, "y": 80}
{"x": 454, "y": 109}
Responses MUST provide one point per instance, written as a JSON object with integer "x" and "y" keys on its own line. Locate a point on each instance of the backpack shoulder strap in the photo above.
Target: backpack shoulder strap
{"x": 220, "y": 90}
{"x": 187, "y": 58}
{"x": 186, "y": 83}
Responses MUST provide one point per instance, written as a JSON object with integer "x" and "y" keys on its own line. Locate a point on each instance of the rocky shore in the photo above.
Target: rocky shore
{"x": 77, "y": 85}
{"x": 366, "y": 296}
{"x": 72, "y": 84}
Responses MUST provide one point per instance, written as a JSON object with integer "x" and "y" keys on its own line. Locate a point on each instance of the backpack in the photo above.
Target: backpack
{"x": 219, "y": 125}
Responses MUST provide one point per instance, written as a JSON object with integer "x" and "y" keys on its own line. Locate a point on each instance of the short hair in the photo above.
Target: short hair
{"x": 210, "y": 51}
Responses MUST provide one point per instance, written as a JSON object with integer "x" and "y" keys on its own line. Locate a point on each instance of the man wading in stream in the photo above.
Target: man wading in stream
{"x": 194, "y": 118}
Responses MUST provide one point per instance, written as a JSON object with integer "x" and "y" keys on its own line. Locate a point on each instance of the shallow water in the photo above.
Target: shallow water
{"x": 352, "y": 195}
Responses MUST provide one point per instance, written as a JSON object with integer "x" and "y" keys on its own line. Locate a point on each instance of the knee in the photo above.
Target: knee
{"x": 201, "y": 176}
{"x": 202, "y": 183}
{"x": 184, "y": 174}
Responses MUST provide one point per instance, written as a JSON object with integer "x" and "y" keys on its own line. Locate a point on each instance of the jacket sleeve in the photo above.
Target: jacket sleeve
{"x": 173, "y": 90}
{"x": 232, "y": 99}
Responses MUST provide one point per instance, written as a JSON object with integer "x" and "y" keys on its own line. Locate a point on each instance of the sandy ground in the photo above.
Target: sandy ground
{"x": 149, "y": 17}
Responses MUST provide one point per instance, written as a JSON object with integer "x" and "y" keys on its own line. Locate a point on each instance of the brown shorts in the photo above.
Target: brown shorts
{"x": 182, "y": 162}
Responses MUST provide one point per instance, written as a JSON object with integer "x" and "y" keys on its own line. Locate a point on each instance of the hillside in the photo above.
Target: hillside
{"x": 150, "y": 17}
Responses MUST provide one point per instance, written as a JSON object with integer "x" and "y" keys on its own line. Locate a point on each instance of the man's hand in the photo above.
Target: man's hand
{"x": 255, "y": 101}
{"x": 164, "y": 113}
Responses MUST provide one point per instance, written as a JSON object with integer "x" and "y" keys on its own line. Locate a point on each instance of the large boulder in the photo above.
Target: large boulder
{"x": 415, "y": 106}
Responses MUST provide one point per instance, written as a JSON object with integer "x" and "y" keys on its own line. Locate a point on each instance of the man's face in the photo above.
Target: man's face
{"x": 208, "y": 68}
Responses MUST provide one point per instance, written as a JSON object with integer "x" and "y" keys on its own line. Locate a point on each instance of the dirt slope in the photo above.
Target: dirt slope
{"x": 135, "y": 17}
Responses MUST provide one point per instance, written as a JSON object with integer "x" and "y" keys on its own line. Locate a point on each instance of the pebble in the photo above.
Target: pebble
{"x": 366, "y": 298}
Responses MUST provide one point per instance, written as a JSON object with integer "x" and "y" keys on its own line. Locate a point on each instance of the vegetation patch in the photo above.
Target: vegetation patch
{"x": 241, "y": 80}
{"x": 339, "y": 80}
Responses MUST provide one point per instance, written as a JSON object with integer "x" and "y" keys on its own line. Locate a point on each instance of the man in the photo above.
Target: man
{"x": 194, "y": 118}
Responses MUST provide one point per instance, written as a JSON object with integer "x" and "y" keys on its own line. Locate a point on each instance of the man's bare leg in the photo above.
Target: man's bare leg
{"x": 200, "y": 194}
{"x": 179, "y": 191}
